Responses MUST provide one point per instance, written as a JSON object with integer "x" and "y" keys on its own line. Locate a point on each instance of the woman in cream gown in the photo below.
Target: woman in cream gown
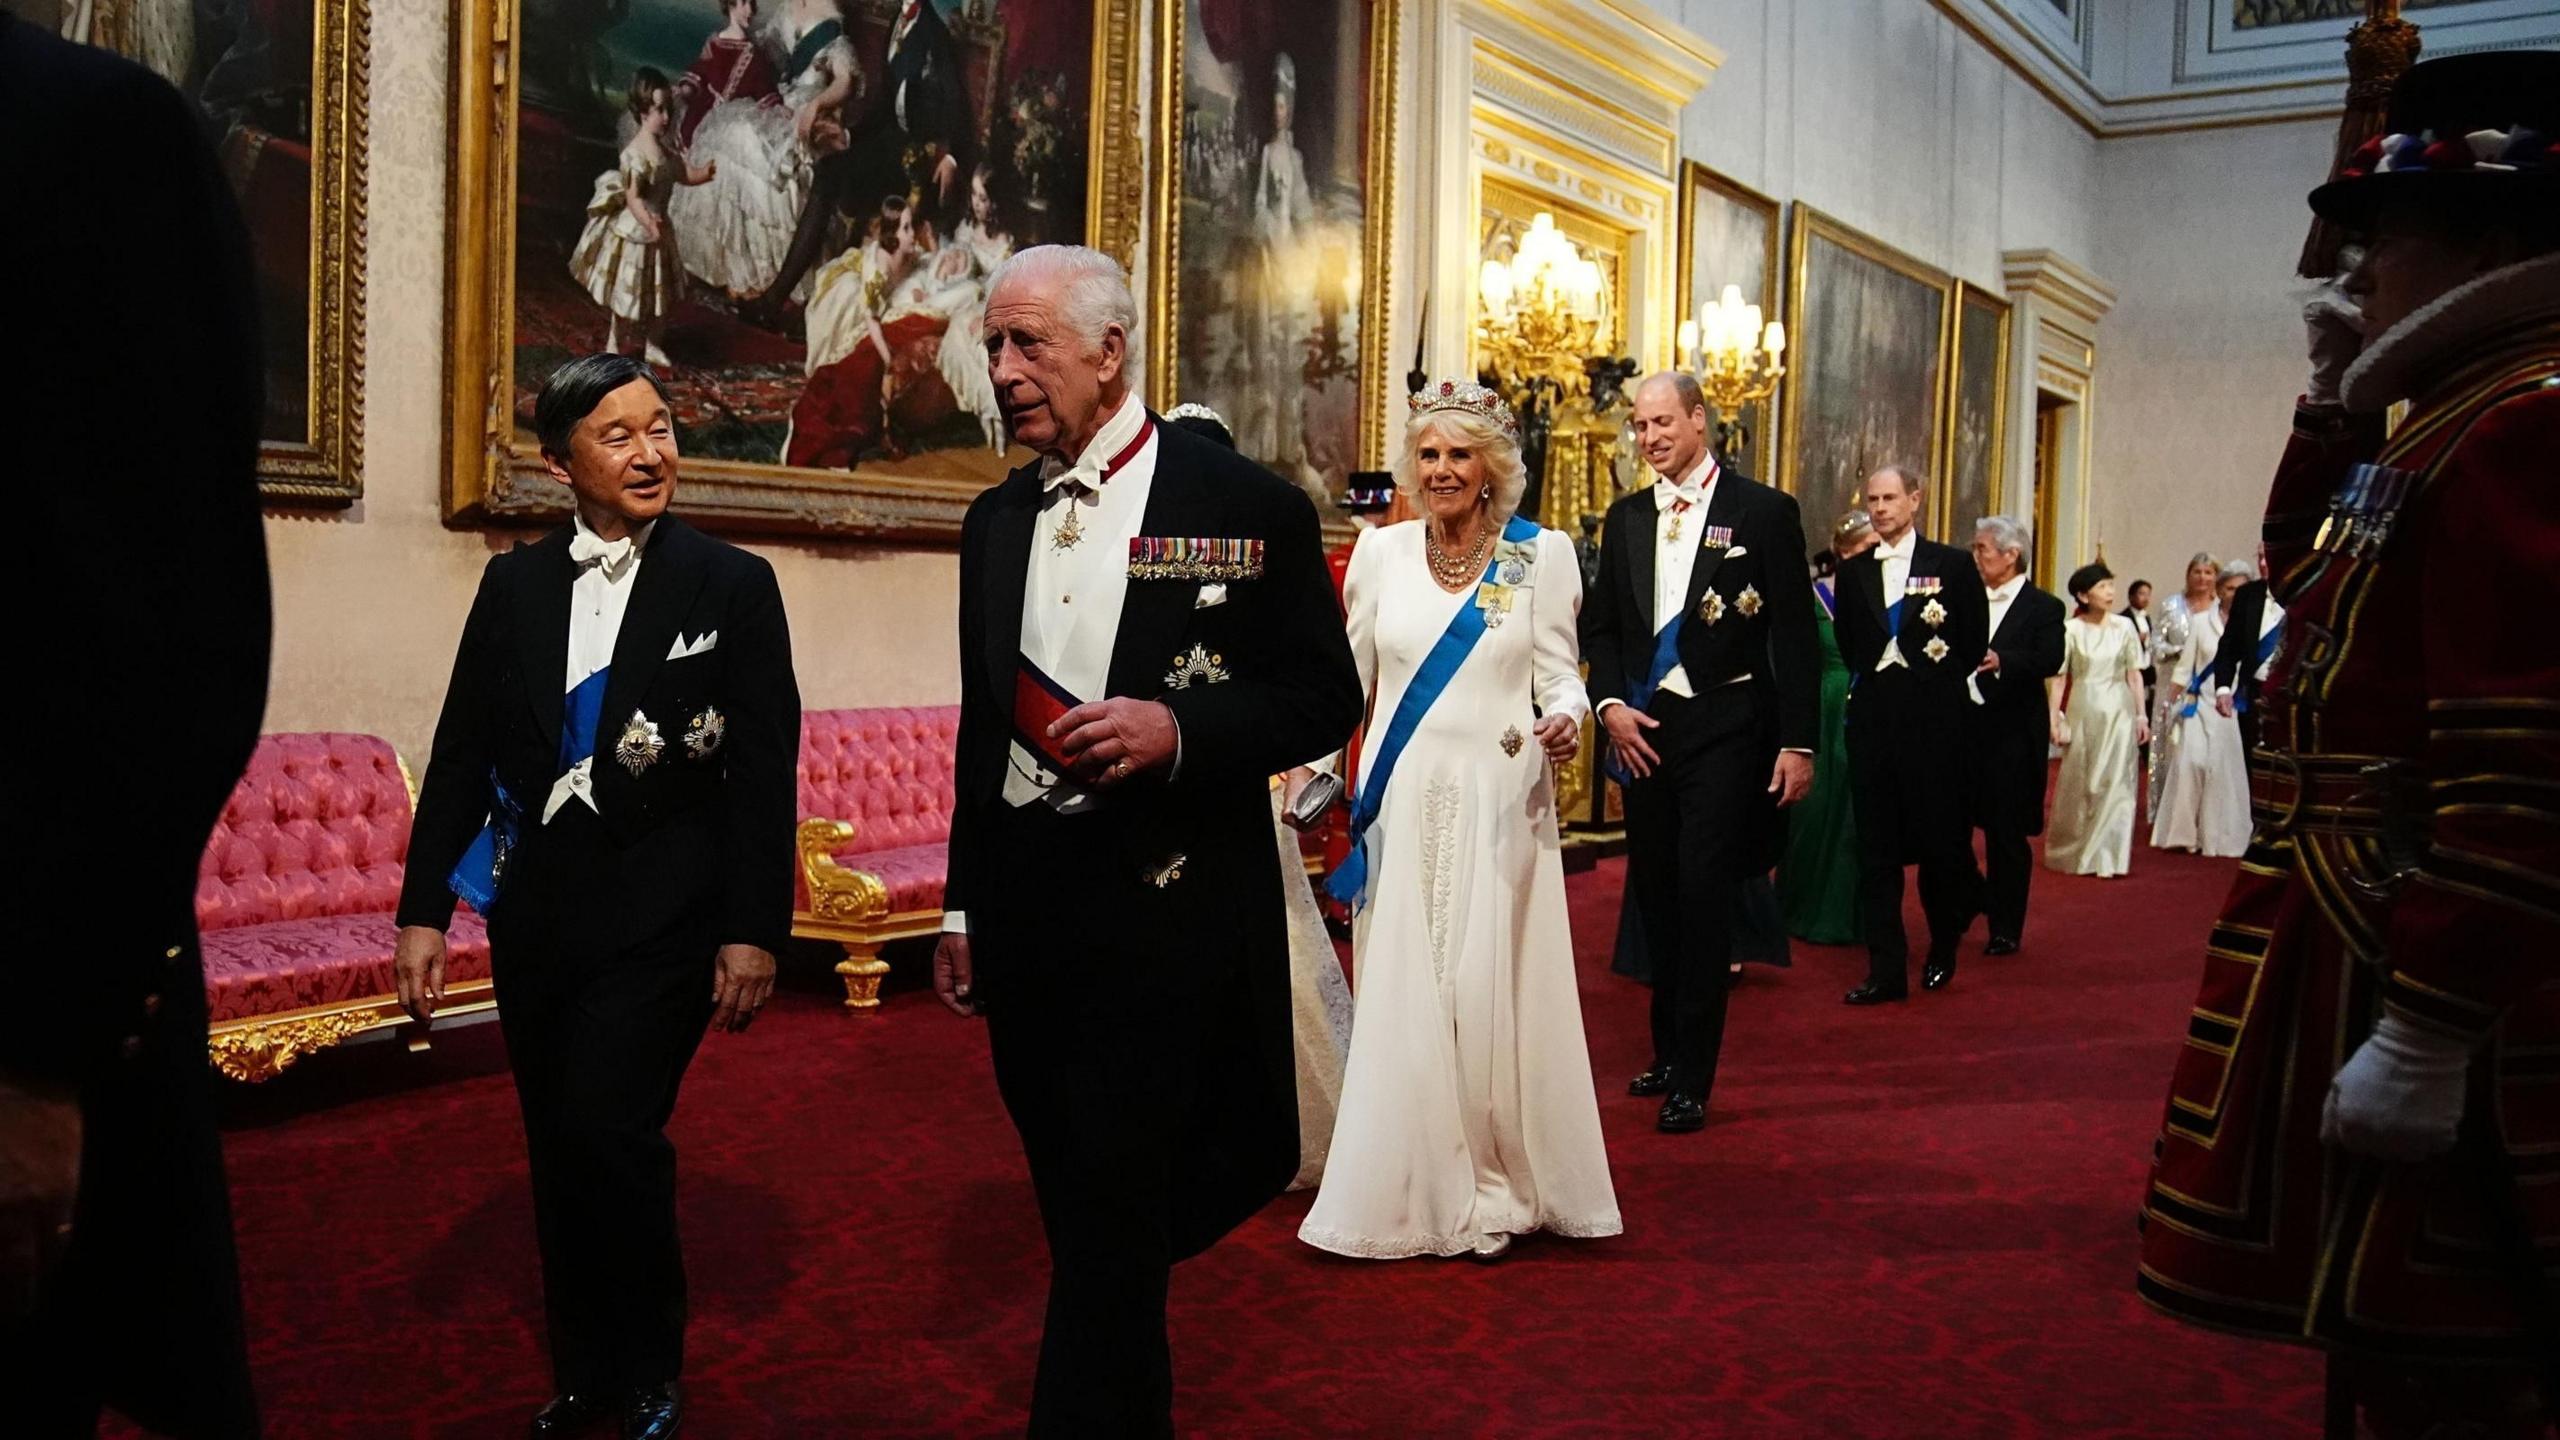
{"x": 2172, "y": 627}
{"x": 1468, "y": 1114}
{"x": 2204, "y": 795}
{"x": 2099, "y": 724}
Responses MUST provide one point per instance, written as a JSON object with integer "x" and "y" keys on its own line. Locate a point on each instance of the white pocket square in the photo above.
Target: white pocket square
{"x": 1213, "y": 593}
{"x": 1737, "y": 552}
{"x": 687, "y": 649}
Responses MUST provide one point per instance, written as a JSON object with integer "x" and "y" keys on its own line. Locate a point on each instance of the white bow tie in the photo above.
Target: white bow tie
{"x": 1666, "y": 494}
{"x": 614, "y": 555}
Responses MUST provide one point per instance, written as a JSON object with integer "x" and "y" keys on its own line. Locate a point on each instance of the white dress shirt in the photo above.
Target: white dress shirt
{"x": 1896, "y": 559}
{"x": 2001, "y": 597}
{"x": 608, "y": 571}
{"x": 1072, "y": 597}
{"x": 1680, "y": 514}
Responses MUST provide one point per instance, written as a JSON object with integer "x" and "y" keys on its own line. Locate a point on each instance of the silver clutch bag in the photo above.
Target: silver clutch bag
{"x": 1313, "y": 801}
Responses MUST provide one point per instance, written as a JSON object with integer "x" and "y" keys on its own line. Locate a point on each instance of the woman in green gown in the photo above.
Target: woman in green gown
{"x": 1818, "y": 875}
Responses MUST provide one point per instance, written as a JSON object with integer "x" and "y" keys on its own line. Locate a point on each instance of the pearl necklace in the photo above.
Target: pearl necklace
{"x": 1455, "y": 571}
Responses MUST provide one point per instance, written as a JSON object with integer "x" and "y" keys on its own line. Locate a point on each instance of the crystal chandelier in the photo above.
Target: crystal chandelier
{"x": 1541, "y": 312}
{"x": 1733, "y": 355}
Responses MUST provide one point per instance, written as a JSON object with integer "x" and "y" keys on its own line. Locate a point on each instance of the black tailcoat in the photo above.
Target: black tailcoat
{"x": 2014, "y": 721}
{"x": 606, "y": 921}
{"x": 138, "y": 681}
{"x": 1133, "y": 961}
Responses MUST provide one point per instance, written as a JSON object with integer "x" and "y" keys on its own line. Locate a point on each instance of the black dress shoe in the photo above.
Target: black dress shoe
{"x": 653, "y": 1413}
{"x": 1872, "y": 993}
{"x": 1936, "y": 974}
{"x": 1680, "y": 1115}
{"x": 2000, "y": 945}
{"x": 1656, "y": 1081}
{"x": 568, "y": 1414}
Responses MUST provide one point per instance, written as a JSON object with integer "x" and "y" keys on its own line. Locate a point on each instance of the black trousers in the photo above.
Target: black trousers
{"x": 1909, "y": 804}
{"x": 143, "y": 1313}
{"x": 2009, "y": 866}
{"x": 1695, "y": 830}
{"x": 1098, "y": 1074}
{"x": 599, "y": 1045}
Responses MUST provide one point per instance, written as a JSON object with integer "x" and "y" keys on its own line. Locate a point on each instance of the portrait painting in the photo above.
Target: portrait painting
{"x": 279, "y": 90}
{"x": 1729, "y": 236}
{"x": 1978, "y": 392}
{"x": 1280, "y": 212}
{"x": 1866, "y": 355}
{"x": 791, "y": 210}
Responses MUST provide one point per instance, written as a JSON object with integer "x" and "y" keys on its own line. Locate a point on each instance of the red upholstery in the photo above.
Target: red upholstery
{"x": 298, "y": 884}
{"x": 888, "y": 772}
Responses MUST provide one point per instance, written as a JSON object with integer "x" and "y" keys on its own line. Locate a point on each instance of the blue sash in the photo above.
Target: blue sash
{"x": 1666, "y": 658}
{"x": 1350, "y": 883}
{"x": 482, "y": 871}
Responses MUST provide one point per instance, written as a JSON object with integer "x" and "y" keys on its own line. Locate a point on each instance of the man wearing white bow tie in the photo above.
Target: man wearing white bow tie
{"x": 613, "y": 786}
{"x": 1706, "y": 669}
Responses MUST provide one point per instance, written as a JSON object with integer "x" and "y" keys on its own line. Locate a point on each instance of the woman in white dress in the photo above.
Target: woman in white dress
{"x": 738, "y": 227}
{"x": 1319, "y": 996}
{"x": 2098, "y": 719}
{"x": 1468, "y": 1114}
{"x": 2204, "y": 801}
{"x": 2170, "y": 631}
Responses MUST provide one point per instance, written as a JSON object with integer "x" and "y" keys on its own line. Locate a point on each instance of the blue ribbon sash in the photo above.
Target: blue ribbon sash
{"x": 1350, "y": 883}
{"x": 483, "y": 868}
{"x": 1666, "y": 657}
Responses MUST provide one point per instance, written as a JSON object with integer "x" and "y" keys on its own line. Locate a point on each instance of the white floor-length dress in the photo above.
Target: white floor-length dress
{"x": 1319, "y": 1005}
{"x": 1467, "y": 1109}
{"x": 2204, "y": 799}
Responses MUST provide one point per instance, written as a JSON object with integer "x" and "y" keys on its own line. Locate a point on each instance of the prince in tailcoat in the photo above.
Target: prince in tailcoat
{"x": 613, "y": 784}
{"x": 1114, "y": 897}
{"x": 2362, "y": 1142}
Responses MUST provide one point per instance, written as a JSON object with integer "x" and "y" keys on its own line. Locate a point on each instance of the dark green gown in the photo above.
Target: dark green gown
{"x": 1818, "y": 874}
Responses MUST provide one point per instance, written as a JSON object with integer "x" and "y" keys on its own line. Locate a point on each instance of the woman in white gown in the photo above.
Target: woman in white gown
{"x": 1319, "y": 996}
{"x": 2100, "y": 724}
{"x": 1468, "y": 1114}
{"x": 2171, "y": 628}
{"x": 2204, "y": 799}
{"x": 738, "y": 227}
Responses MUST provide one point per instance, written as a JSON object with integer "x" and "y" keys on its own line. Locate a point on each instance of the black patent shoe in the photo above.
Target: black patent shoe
{"x": 1872, "y": 993}
{"x": 2000, "y": 945}
{"x": 653, "y": 1413}
{"x": 1680, "y": 1115}
{"x": 1656, "y": 1081}
{"x": 1936, "y": 974}
{"x": 568, "y": 1414}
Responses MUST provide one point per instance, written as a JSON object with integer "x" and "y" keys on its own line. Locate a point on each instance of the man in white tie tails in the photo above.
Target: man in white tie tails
{"x": 613, "y": 786}
{"x": 1147, "y": 634}
{"x": 1707, "y": 672}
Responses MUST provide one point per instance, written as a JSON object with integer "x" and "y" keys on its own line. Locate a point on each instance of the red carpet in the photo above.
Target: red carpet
{"x": 1912, "y": 1222}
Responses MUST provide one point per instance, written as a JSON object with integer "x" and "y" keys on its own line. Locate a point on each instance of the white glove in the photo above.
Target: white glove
{"x": 2399, "y": 1097}
{"x": 2336, "y": 330}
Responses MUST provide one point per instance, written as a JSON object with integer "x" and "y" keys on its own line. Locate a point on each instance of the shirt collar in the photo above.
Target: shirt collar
{"x": 1902, "y": 549}
{"x": 1108, "y": 441}
{"x": 614, "y": 570}
{"x": 2009, "y": 591}
{"x": 1693, "y": 487}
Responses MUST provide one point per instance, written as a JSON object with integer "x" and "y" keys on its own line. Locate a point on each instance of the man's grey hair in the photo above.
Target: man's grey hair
{"x": 1089, "y": 288}
{"x": 2007, "y": 533}
{"x": 2236, "y": 570}
{"x": 1683, "y": 384}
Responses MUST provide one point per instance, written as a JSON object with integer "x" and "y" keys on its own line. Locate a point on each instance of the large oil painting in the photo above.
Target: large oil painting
{"x": 1283, "y": 205}
{"x": 1977, "y": 404}
{"x": 1866, "y": 360}
{"x": 280, "y": 92}
{"x": 1729, "y": 236}
{"x": 789, "y": 208}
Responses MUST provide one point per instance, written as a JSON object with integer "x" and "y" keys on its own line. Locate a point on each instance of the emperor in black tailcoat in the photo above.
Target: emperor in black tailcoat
{"x": 1704, "y": 819}
{"x": 616, "y": 924}
{"x": 1907, "y": 728}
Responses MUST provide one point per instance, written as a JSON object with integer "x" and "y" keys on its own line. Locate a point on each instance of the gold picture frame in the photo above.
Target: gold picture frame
{"x": 1973, "y": 453}
{"x": 322, "y": 461}
{"x": 1725, "y": 208}
{"x": 1867, "y": 329}
{"x": 492, "y": 473}
{"x": 1164, "y": 301}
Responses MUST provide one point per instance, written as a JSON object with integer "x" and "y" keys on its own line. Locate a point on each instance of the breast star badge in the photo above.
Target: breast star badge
{"x": 1748, "y": 602}
{"x": 1936, "y": 649}
{"x": 640, "y": 745}
{"x": 1933, "y": 614}
{"x": 1511, "y": 740}
{"x": 706, "y": 732}
{"x": 1711, "y": 609}
{"x": 1197, "y": 668}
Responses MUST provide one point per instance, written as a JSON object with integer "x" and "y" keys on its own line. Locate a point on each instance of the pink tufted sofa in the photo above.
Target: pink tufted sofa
{"x": 875, "y": 801}
{"x": 295, "y": 897}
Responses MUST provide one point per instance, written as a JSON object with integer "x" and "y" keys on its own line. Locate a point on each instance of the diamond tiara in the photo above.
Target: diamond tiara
{"x": 1467, "y": 396}
{"x": 1194, "y": 410}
